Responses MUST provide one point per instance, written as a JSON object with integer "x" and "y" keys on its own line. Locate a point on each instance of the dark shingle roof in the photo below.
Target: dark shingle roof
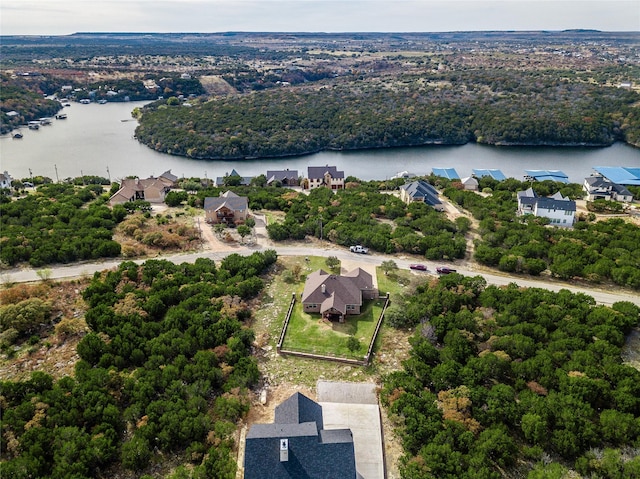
{"x": 424, "y": 191}
{"x": 298, "y": 409}
{"x": 317, "y": 172}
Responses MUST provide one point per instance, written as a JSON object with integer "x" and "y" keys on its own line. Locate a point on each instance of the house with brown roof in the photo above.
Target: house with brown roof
{"x": 335, "y": 296}
{"x": 226, "y": 208}
{"x": 149, "y": 189}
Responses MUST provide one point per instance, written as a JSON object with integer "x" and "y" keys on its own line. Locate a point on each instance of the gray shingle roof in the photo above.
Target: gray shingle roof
{"x": 317, "y": 172}
{"x": 228, "y": 199}
{"x": 421, "y": 190}
{"x": 312, "y": 452}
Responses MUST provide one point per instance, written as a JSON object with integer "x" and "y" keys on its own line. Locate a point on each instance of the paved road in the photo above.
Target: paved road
{"x": 87, "y": 269}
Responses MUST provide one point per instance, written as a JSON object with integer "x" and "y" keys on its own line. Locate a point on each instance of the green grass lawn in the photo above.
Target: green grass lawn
{"x": 310, "y": 333}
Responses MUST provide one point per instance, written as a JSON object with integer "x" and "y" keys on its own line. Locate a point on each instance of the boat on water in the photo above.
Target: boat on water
{"x": 61, "y": 116}
{"x": 102, "y": 102}
{"x": 85, "y": 101}
{"x": 45, "y": 121}
{"x": 34, "y": 125}
{"x": 17, "y": 136}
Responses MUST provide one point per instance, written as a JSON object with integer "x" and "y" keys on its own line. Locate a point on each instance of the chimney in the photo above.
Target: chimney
{"x": 284, "y": 450}
{"x": 323, "y": 288}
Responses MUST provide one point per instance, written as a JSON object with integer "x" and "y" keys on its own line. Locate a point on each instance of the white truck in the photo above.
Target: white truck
{"x": 359, "y": 249}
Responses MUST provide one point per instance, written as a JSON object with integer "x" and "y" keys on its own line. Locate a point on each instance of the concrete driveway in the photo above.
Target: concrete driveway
{"x": 355, "y": 406}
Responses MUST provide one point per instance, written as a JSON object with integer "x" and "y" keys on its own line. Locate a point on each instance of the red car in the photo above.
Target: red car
{"x": 419, "y": 267}
{"x": 445, "y": 270}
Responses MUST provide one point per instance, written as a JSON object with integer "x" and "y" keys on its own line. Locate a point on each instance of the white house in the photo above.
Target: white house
{"x": 5, "y": 180}
{"x": 600, "y": 188}
{"x": 561, "y": 211}
{"x": 469, "y": 183}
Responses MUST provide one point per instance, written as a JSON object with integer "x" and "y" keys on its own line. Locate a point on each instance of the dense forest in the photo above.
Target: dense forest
{"x": 512, "y": 382}
{"x": 59, "y": 223}
{"x": 493, "y": 107}
{"x": 164, "y": 371}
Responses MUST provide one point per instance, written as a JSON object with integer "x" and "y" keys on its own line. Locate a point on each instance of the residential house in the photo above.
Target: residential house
{"x": 296, "y": 445}
{"x": 423, "y": 192}
{"x": 5, "y": 180}
{"x": 560, "y": 210}
{"x": 150, "y": 189}
{"x": 469, "y": 183}
{"x": 283, "y": 177}
{"x": 233, "y": 179}
{"x": 327, "y": 176}
{"x": 335, "y": 296}
{"x": 226, "y": 208}
{"x": 600, "y": 188}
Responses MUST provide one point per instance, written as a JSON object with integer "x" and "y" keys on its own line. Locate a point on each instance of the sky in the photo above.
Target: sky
{"x": 62, "y": 17}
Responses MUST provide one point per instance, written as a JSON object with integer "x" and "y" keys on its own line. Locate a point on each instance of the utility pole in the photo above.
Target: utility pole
{"x": 320, "y": 228}
{"x": 56, "y": 168}
{"x": 31, "y": 176}
{"x": 108, "y": 174}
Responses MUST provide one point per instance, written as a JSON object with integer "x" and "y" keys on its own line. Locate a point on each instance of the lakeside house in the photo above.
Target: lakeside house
{"x": 228, "y": 208}
{"x": 600, "y": 188}
{"x": 5, "y": 180}
{"x": 233, "y": 179}
{"x": 327, "y": 176}
{"x": 149, "y": 189}
{"x": 559, "y": 209}
{"x": 283, "y": 177}
{"x": 335, "y": 296}
{"x": 297, "y": 446}
{"x": 423, "y": 192}
{"x": 620, "y": 175}
{"x": 469, "y": 183}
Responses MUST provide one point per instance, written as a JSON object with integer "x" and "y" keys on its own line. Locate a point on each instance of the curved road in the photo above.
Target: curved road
{"x": 87, "y": 269}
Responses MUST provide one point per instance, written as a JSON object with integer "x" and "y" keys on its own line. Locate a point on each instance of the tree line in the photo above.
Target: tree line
{"x": 494, "y": 107}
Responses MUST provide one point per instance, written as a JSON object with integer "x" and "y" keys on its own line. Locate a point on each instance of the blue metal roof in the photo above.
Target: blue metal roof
{"x": 620, "y": 175}
{"x": 449, "y": 173}
{"x": 495, "y": 174}
{"x": 542, "y": 175}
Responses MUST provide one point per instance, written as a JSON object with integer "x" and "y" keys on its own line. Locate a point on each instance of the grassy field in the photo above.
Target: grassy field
{"x": 311, "y": 333}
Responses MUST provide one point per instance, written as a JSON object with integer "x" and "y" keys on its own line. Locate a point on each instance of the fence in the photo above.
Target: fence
{"x": 329, "y": 357}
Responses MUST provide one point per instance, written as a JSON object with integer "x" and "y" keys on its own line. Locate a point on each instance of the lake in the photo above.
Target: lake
{"x": 98, "y": 140}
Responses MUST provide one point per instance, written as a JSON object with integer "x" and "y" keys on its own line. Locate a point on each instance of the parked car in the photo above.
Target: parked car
{"x": 359, "y": 249}
{"x": 419, "y": 267}
{"x": 445, "y": 270}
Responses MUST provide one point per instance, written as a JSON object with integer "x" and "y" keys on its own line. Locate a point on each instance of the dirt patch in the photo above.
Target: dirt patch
{"x": 55, "y": 352}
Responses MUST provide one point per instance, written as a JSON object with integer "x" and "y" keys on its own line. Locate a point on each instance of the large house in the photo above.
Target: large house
{"x": 327, "y": 176}
{"x": 559, "y": 209}
{"x": 283, "y": 177}
{"x": 233, "y": 179}
{"x": 335, "y": 296}
{"x": 600, "y": 188}
{"x": 149, "y": 189}
{"x": 5, "y": 180}
{"x": 226, "y": 208}
{"x": 297, "y": 446}
{"x": 423, "y": 192}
